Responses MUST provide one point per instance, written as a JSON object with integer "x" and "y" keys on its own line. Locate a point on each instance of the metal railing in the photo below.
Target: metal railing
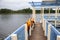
{"x": 50, "y": 31}
{"x": 21, "y": 33}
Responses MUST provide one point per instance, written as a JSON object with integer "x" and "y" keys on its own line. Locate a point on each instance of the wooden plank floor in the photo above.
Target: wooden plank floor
{"x": 38, "y": 33}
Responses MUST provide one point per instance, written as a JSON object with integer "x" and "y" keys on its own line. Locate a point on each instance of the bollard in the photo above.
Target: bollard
{"x": 26, "y": 32}
{"x": 49, "y": 31}
{"x": 14, "y": 37}
{"x": 58, "y": 37}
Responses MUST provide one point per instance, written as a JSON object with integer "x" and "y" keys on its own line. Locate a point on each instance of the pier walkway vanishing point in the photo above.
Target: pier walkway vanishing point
{"x": 38, "y": 33}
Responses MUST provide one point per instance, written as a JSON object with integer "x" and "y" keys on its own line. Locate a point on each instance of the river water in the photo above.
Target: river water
{"x": 9, "y": 23}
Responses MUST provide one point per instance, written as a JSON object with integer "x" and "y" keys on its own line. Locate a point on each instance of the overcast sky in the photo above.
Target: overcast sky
{"x": 15, "y": 4}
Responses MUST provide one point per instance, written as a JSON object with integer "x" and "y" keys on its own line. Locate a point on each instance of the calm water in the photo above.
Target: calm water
{"x": 9, "y": 23}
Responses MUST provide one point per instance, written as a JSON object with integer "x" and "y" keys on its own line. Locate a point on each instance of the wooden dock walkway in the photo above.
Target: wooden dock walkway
{"x": 38, "y": 33}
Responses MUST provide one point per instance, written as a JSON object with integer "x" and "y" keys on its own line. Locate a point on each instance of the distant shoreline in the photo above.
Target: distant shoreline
{"x": 24, "y": 11}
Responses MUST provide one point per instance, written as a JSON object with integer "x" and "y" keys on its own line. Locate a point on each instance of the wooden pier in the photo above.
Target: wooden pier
{"x": 38, "y": 33}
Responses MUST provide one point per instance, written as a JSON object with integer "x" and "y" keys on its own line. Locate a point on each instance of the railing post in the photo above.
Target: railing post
{"x": 33, "y": 26}
{"x": 43, "y": 17}
{"x": 14, "y": 37}
{"x": 26, "y": 32}
{"x": 45, "y": 26}
{"x": 49, "y": 31}
{"x": 30, "y": 31}
{"x": 55, "y": 22}
{"x": 58, "y": 37}
{"x": 40, "y": 15}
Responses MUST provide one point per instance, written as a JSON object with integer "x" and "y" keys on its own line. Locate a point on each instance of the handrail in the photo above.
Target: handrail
{"x": 55, "y": 30}
{"x": 50, "y": 31}
{"x": 53, "y": 27}
{"x": 24, "y": 33}
{"x": 19, "y": 30}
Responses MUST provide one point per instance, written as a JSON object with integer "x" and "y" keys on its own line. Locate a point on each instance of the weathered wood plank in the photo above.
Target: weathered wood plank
{"x": 38, "y": 33}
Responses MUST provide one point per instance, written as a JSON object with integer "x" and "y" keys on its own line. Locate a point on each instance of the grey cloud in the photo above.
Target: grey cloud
{"x": 15, "y": 4}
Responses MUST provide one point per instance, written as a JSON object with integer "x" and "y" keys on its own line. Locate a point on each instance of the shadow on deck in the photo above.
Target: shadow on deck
{"x": 38, "y": 33}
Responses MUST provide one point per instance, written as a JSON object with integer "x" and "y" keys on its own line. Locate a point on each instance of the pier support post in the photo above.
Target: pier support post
{"x": 33, "y": 15}
{"x": 26, "y": 32}
{"x": 55, "y": 22}
{"x": 58, "y": 37}
{"x": 14, "y": 37}
{"x": 49, "y": 31}
{"x": 49, "y": 12}
{"x": 42, "y": 17}
{"x": 56, "y": 15}
{"x": 45, "y": 27}
{"x": 42, "y": 12}
{"x": 58, "y": 11}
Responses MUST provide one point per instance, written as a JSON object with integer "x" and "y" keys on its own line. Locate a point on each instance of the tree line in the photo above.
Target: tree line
{"x": 27, "y": 10}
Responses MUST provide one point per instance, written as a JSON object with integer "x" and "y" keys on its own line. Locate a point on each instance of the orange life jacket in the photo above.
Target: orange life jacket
{"x": 28, "y": 24}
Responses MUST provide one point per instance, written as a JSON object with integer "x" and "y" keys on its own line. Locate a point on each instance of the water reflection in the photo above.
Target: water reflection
{"x": 5, "y": 17}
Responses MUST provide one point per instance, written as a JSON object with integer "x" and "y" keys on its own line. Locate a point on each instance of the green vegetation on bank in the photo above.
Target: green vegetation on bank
{"x": 27, "y": 10}
{"x": 9, "y": 11}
